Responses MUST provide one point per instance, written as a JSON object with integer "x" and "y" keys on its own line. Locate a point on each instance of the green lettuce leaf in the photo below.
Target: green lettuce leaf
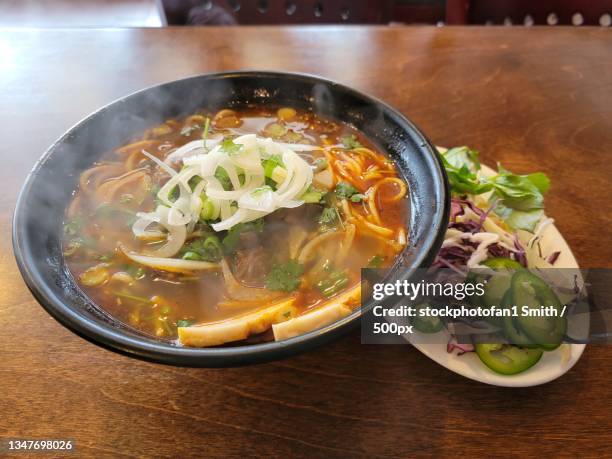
{"x": 519, "y": 199}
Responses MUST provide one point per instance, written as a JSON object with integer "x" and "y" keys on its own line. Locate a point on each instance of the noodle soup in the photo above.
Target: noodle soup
{"x": 239, "y": 225}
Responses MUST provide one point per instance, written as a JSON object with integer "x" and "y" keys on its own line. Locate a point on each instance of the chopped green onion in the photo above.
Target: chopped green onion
{"x": 205, "y": 133}
{"x": 274, "y": 168}
{"x": 126, "y": 198}
{"x": 166, "y": 326}
{"x": 73, "y": 246}
{"x": 137, "y": 299}
{"x": 184, "y": 323}
{"x": 137, "y": 272}
{"x": 320, "y": 164}
{"x": 257, "y": 191}
{"x": 334, "y": 283}
{"x": 207, "y": 212}
{"x": 279, "y": 174}
{"x": 203, "y": 249}
{"x": 376, "y": 261}
{"x": 73, "y": 226}
{"x": 275, "y": 130}
{"x": 194, "y": 256}
{"x": 350, "y": 142}
{"x": 312, "y": 195}
{"x": 223, "y": 177}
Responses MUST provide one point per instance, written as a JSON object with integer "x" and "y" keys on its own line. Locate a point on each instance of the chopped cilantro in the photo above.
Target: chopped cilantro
{"x": 184, "y": 323}
{"x": 231, "y": 148}
{"x": 330, "y": 218}
{"x": 285, "y": 277}
{"x": 232, "y": 239}
{"x": 347, "y": 191}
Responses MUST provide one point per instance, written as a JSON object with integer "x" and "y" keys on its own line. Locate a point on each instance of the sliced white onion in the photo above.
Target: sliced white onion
{"x": 248, "y": 158}
{"x": 171, "y": 172}
{"x": 262, "y": 199}
{"x": 170, "y": 264}
{"x": 175, "y": 237}
{"x": 299, "y": 146}
{"x": 248, "y": 199}
{"x": 237, "y": 217}
{"x": 292, "y": 204}
{"x": 192, "y": 148}
{"x": 141, "y": 232}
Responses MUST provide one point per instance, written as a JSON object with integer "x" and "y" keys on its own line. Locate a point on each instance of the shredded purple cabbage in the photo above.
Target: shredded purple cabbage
{"x": 460, "y": 348}
{"x": 455, "y": 257}
{"x": 552, "y": 258}
{"x": 519, "y": 254}
{"x": 456, "y": 210}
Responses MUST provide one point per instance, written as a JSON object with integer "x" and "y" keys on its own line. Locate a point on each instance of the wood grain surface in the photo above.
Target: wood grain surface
{"x": 534, "y": 99}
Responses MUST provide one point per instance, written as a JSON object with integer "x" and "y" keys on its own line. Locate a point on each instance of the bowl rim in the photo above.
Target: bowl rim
{"x": 116, "y": 340}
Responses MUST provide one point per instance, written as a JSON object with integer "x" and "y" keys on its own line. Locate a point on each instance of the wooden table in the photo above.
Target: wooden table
{"x": 534, "y": 99}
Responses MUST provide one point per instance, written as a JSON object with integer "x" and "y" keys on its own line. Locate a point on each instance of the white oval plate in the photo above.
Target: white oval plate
{"x": 552, "y": 364}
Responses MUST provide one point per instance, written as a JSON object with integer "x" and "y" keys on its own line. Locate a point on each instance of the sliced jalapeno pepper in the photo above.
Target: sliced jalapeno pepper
{"x": 426, "y": 324}
{"x": 507, "y": 359}
{"x": 499, "y": 284}
{"x": 499, "y": 263}
{"x": 531, "y": 291}
{"x": 512, "y": 331}
{"x": 496, "y": 285}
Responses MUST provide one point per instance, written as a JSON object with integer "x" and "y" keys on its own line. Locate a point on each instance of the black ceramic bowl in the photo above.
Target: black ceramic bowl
{"x": 37, "y": 224}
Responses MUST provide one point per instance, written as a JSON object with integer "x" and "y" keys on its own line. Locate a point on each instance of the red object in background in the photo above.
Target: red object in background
{"x": 251, "y": 12}
{"x": 451, "y": 12}
{"x": 498, "y": 11}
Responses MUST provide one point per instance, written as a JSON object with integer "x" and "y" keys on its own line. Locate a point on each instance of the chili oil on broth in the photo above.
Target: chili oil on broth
{"x": 365, "y": 198}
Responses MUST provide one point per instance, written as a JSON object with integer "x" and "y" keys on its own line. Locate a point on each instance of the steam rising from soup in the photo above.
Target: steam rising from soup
{"x": 241, "y": 225}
